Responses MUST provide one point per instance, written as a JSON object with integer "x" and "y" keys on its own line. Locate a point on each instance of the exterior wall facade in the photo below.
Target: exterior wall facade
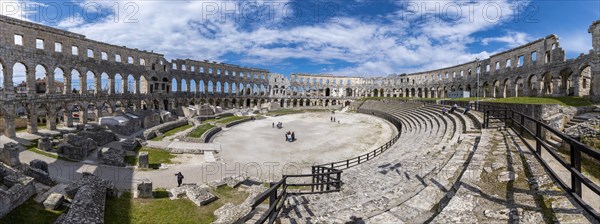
{"x": 100, "y": 77}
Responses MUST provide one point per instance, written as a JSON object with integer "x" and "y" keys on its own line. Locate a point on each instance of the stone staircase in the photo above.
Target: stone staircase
{"x": 505, "y": 183}
{"x": 407, "y": 182}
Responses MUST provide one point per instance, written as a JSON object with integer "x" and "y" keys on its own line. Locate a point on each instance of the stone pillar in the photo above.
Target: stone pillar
{"x": 67, "y": 85}
{"x": 98, "y": 85}
{"x": 143, "y": 161}
{"x": 98, "y": 113}
{"x": 136, "y": 86}
{"x": 32, "y": 119}
{"x": 9, "y": 121}
{"x": 10, "y": 154}
{"x": 111, "y": 85}
{"x": 30, "y": 81}
{"x": 83, "y": 84}
{"x": 50, "y": 82}
{"x": 51, "y": 117}
{"x": 83, "y": 115}
{"x": 68, "y": 118}
{"x": 124, "y": 87}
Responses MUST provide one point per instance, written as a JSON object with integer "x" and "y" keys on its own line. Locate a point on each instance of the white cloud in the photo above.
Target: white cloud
{"x": 395, "y": 43}
{"x": 511, "y": 39}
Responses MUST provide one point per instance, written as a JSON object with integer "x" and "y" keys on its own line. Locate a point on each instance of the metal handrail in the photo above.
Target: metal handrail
{"x": 576, "y": 148}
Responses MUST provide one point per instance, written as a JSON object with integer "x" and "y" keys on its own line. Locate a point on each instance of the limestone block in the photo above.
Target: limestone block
{"x": 144, "y": 189}
{"x": 53, "y": 201}
{"x": 39, "y": 164}
{"x": 10, "y": 154}
{"x": 45, "y": 144}
{"x": 143, "y": 160}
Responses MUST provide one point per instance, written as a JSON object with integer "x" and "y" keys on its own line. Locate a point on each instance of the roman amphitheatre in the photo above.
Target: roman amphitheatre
{"x": 508, "y": 138}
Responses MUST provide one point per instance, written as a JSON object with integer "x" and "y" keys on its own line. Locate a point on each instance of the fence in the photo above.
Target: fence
{"x": 324, "y": 178}
{"x": 519, "y": 123}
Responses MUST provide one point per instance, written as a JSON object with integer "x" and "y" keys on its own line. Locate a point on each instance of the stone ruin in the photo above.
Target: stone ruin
{"x": 197, "y": 194}
{"x": 122, "y": 123}
{"x": 130, "y": 144}
{"x": 9, "y": 154}
{"x": 112, "y": 156}
{"x": 144, "y": 189}
{"x": 89, "y": 197}
{"x": 39, "y": 171}
{"x": 78, "y": 146}
{"x": 45, "y": 143}
{"x": 143, "y": 160}
{"x": 15, "y": 189}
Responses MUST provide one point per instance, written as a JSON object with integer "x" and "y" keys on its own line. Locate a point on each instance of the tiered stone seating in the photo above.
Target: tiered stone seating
{"x": 405, "y": 183}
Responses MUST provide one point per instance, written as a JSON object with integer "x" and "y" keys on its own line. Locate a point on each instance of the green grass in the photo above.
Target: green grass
{"x": 44, "y": 153}
{"x": 32, "y": 212}
{"x": 39, "y": 126}
{"x": 172, "y": 132}
{"x": 161, "y": 209}
{"x": 197, "y": 133}
{"x": 230, "y": 119}
{"x": 156, "y": 157}
{"x": 563, "y": 100}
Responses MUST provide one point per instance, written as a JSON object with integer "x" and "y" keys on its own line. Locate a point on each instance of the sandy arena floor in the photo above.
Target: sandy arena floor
{"x": 255, "y": 144}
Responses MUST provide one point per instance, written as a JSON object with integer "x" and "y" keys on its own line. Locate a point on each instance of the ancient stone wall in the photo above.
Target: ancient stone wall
{"x": 20, "y": 188}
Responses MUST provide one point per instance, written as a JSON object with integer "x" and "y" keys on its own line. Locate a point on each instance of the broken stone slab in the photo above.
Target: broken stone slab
{"x": 197, "y": 194}
{"x": 497, "y": 166}
{"x": 54, "y": 201}
{"x": 144, "y": 189}
{"x": 39, "y": 164}
{"x": 503, "y": 214}
{"x": 507, "y": 176}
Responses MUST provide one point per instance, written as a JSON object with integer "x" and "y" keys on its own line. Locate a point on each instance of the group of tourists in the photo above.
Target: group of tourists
{"x": 279, "y": 125}
{"x": 332, "y": 119}
{"x": 453, "y": 108}
{"x": 290, "y": 136}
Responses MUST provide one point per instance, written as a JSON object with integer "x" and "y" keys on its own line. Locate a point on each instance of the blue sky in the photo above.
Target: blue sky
{"x": 343, "y": 37}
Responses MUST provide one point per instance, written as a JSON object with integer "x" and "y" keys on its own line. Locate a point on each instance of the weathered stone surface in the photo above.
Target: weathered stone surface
{"x": 229, "y": 213}
{"x": 130, "y": 144}
{"x": 144, "y": 189}
{"x": 197, "y": 194}
{"x": 17, "y": 189}
{"x": 497, "y": 166}
{"x": 9, "y": 154}
{"x": 39, "y": 164}
{"x": 89, "y": 196}
{"x": 101, "y": 137}
{"x": 45, "y": 143}
{"x": 143, "y": 160}
{"x": 39, "y": 175}
{"x": 112, "y": 156}
{"x": 53, "y": 201}
{"x": 507, "y": 176}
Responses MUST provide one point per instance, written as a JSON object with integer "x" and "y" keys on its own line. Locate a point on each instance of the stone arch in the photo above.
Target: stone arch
{"x": 226, "y": 87}
{"x": 547, "y": 86}
{"x": 76, "y": 82}
{"x": 496, "y": 88}
{"x": 532, "y": 85}
{"x": 19, "y": 77}
{"x": 518, "y": 87}
{"x": 585, "y": 81}
{"x": 506, "y": 91}
{"x": 201, "y": 86}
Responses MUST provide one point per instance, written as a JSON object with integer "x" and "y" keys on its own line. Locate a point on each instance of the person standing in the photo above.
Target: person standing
{"x": 273, "y": 124}
{"x": 179, "y": 178}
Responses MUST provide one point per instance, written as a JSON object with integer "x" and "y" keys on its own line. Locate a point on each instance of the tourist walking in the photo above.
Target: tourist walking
{"x": 179, "y": 178}
{"x": 293, "y": 137}
{"x": 467, "y": 108}
{"x": 444, "y": 110}
{"x": 273, "y": 124}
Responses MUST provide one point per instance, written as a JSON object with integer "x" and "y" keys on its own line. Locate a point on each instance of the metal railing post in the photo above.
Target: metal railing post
{"x": 538, "y": 137}
{"x": 272, "y": 200}
{"x": 575, "y": 155}
{"x": 522, "y": 124}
